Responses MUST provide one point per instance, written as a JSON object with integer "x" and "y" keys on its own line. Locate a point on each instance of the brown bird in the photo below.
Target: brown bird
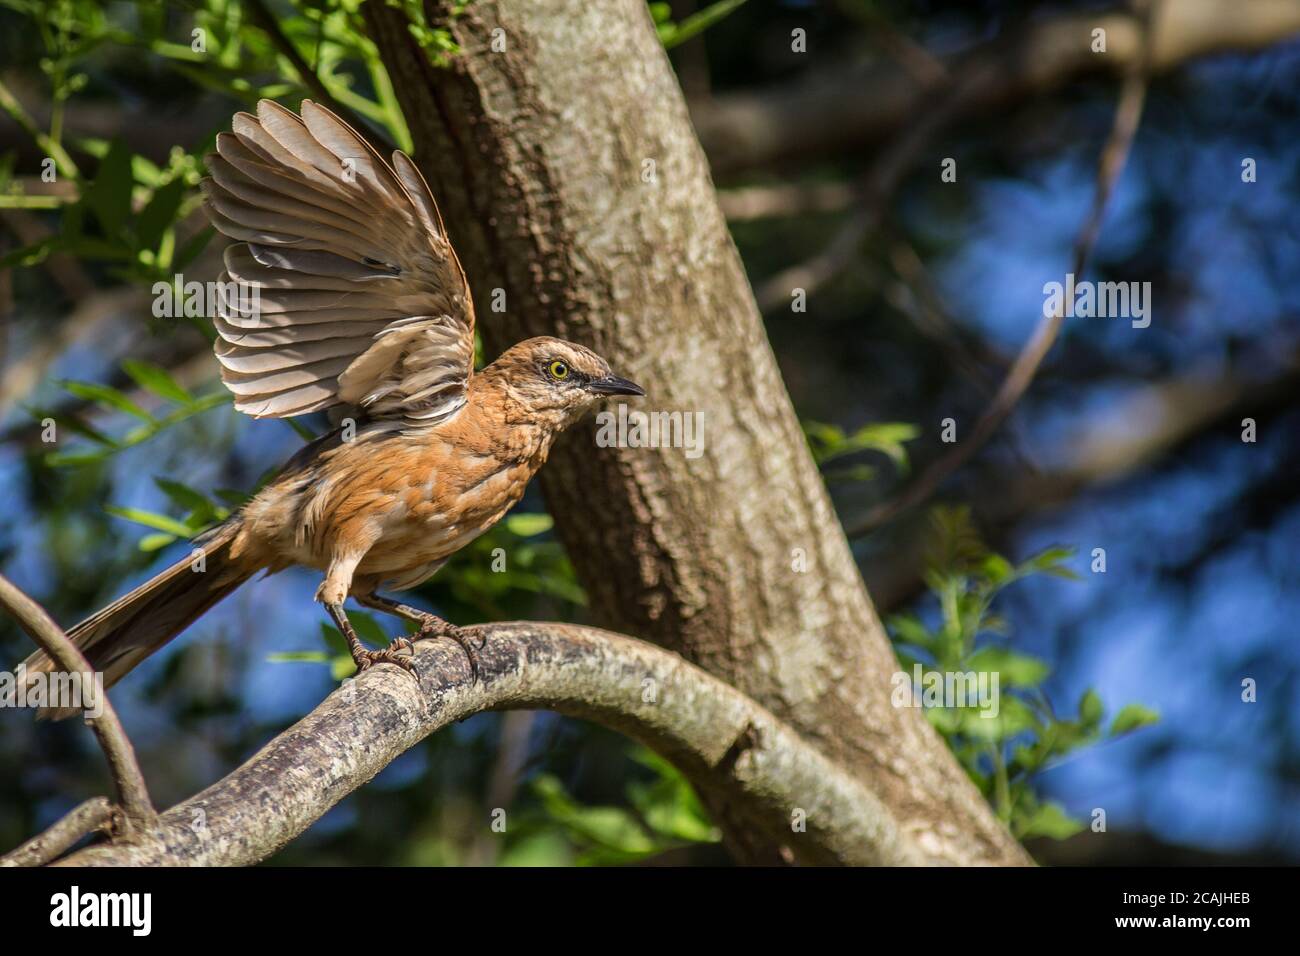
{"x": 343, "y": 293}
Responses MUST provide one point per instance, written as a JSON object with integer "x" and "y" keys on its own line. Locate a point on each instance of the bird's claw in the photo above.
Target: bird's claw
{"x": 440, "y": 628}
{"x": 367, "y": 659}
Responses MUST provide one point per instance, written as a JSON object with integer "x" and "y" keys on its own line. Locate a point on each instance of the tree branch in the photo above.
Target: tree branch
{"x": 95, "y": 814}
{"x": 1114, "y": 155}
{"x": 132, "y": 793}
{"x": 821, "y": 115}
{"x": 269, "y": 25}
{"x": 722, "y": 740}
{"x": 598, "y": 219}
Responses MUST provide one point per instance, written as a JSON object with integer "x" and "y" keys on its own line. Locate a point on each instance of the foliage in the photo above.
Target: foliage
{"x": 1001, "y": 753}
{"x": 830, "y": 443}
{"x": 105, "y": 400}
{"x": 138, "y": 221}
{"x": 672, "y": 33}
{"x": 663, "y": 813}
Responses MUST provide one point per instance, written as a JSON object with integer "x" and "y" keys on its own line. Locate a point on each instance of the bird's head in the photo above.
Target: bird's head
{"x": 556, "y": 380}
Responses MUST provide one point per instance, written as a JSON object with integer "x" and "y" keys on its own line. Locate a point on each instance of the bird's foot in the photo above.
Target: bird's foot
{"x": 389, "y": 655}
{"x": 434, "y": 627}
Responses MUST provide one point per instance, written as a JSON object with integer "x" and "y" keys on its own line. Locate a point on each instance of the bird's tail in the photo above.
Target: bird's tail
{"x": 117, "y": 638}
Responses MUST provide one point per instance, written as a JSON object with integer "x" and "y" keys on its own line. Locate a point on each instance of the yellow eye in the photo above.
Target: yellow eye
{"x": 558, "y": 370}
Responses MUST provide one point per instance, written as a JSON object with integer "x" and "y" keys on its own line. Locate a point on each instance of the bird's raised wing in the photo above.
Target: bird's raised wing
{"x": 343, "y": 287}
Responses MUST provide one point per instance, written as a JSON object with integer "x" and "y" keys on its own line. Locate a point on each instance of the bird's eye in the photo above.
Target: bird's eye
{"x": 559, "y": 371}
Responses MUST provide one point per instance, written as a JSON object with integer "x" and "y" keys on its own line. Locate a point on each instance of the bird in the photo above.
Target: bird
{"x": 341, "y": 292}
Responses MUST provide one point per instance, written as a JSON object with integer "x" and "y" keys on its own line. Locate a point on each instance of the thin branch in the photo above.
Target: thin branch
{"x": 96, "y": 814}
{"x": 728, "y": 745}
{"x": 132, "y": 794}
{"x": 875, "y": 188}
{"x": 848, "y": 107}
{"x": 916, "y": 296}
{"x": 62, "y": 161}
{"x": 1113, "y": 157}
{"x": 784, "y": 200}
{"x": 269, "y": 25}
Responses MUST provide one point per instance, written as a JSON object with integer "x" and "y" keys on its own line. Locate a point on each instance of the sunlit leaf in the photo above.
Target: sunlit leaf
{"x": 158, "y": 380}
{"x": 1133, "y": 717}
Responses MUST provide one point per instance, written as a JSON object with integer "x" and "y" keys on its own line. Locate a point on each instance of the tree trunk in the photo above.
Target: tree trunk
{"x": 560, "y": 149}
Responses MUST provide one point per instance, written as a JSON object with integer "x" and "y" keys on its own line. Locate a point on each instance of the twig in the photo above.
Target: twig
{"x": 62, "y": 161}
{"x": 748, "y": 203}
{"x": 269, "y": 25}
{"x": 916, "y": 296}
{"x": 95, "y": 814}
{"x": 132, "y": 793}
{"x": 880, "y": 181}
{"x": 1113, "y": 156}
{"x": 841, "y": 108}
{"x": 729, "y": 746}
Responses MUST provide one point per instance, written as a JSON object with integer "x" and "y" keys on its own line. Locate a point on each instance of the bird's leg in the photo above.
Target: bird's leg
{"x": 365, "y": 658}
{"x": 430, "y": 625}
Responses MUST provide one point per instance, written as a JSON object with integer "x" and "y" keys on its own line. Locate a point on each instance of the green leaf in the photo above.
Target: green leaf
{"x": 908, "y": 629}
{"x": 1050, "y": 562}
{"x": 886, "y": 437}
{"x": 333, "y": 638}
{"x": 31, "y": 255}
{"x": 829, "y": 441}
{"x": 232, "y": 496}
{"x": 74, "y": 425}
{"x": 107, "y": 395}
{"x": 74, "y": 459}
{"x": 1090, "y": 708}
{"x": 367, "y": 627}
{"x": 158, "y": 380}
{"x": 671, "y": 34}
{"x": 528, "y": 525}
{"x": 192, "y": 248}
{"x": 1013, "y": 717}
{"x": 611, "y": 828}
{"x": 1133, "y": 717}
{"x": 1015, "y": 670}
{"x": 150, "y": 520}
{"x": 183, "y": 495}
{"x": 109, "y": 196}
{"x": 159, "y": 214}
{"x": 155, "y": 542}
{"x": 1049, "y": 820}
{"x": 299, "y": 429}
{"x": 997, "y": 569}
{"x": 854, "y": 473}
{"x": 295, "y": 657}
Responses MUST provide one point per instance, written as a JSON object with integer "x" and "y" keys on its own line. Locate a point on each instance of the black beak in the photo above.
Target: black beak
{"x": 613, "y": 385}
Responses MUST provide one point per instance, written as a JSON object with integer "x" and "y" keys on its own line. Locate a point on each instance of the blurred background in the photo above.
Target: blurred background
{"x": 919, "y": 290}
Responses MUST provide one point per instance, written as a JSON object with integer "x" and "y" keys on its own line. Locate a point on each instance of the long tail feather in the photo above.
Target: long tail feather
{"x": 117, "y": 638}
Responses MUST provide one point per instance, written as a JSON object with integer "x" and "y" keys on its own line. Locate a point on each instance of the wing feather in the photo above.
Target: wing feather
{"x": 342, "y": 287}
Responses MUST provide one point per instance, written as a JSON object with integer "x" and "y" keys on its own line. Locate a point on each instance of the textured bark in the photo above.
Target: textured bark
{"x": 537, "y": 157}
{"x": 731, "y": 749}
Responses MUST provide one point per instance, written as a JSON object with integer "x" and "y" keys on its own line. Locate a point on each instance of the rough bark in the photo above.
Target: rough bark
{"x": 731, "y": 749}
{"x": 538, "y": 156}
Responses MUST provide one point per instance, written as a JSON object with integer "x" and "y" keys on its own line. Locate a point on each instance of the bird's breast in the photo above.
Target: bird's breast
{"x": 405, "y": 501}
{"x": 445, "y": 501}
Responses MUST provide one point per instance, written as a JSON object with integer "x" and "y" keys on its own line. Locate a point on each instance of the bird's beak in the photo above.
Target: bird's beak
{"x": 613, "y": 385}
